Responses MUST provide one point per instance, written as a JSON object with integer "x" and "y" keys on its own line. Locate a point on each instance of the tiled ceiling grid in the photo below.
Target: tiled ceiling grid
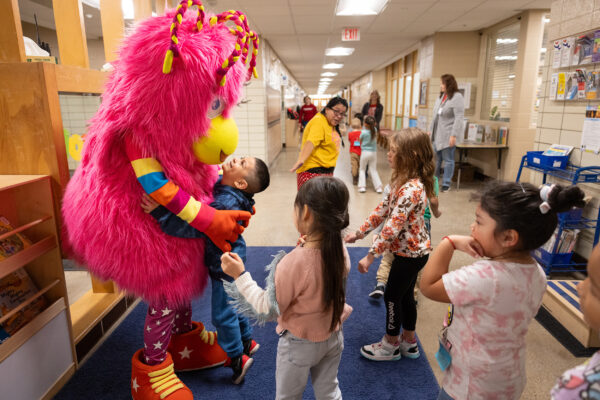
{"x": 300, "y": 30}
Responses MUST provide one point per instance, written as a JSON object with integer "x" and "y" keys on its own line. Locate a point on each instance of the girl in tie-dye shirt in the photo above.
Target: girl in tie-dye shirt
{"x": 583, "y": 382}
{"x": 494, "y": 299}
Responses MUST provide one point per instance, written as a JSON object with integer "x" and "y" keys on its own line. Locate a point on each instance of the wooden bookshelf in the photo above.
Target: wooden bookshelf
{"x": 27, "y": 203}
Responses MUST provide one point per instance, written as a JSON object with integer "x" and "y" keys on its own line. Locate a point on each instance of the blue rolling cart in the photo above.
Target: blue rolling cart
{"x": 559, "y": 167}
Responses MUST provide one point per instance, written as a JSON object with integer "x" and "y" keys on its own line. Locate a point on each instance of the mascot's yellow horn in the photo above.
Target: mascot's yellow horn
{"x": 222, "y": 137}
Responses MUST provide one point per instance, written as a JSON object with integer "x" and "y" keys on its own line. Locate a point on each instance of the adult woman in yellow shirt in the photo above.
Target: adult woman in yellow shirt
{"x": 320, "y": 142}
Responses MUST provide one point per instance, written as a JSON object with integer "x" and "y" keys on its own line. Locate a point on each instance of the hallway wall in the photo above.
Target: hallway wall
{"x": 561, "y": 121}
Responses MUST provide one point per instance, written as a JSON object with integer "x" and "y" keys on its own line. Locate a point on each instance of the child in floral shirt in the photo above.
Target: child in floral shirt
{"x": 403, "y": 234}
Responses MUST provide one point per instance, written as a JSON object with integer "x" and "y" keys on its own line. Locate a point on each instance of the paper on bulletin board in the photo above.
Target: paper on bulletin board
{"x": 561, "y": 87}
{"x": 566, "y": 52}
{"x": 556, "y": 54}
{"x": 590, "y": 138}
{"x": 553, "y": 86}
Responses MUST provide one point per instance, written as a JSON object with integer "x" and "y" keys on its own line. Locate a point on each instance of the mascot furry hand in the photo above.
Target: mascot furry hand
{"x": 162, "y": 126}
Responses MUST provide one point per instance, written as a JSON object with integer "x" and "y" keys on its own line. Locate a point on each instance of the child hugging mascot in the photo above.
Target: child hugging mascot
{"x": 162, "y": 128}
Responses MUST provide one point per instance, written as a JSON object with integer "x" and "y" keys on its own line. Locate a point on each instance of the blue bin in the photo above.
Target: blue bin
{"x": 545, "y": 257}
{"x": 573, "y": 214}
{"x": 538, "y": 159}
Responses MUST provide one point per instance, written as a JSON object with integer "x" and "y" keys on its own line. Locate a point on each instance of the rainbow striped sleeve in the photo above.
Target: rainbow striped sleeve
{"x": 150, "y": 175}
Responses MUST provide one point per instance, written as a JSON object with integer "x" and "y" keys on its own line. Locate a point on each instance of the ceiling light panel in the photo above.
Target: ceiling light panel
{"x": 339, "y": 51}
{"x": 329, "y": 74}
{"x": 360, "y": 7}
{"x": 333, "y": 66}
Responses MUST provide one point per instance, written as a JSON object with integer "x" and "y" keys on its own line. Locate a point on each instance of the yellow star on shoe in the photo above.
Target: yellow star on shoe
{"x": 134, "y": 384}
{"x": 185, "y": 353}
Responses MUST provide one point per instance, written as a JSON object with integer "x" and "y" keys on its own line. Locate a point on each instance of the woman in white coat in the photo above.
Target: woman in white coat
{"x": 447, "y": 125}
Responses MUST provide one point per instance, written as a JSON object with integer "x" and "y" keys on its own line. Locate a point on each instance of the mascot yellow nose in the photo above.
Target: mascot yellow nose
{"x": 221, "y": 141}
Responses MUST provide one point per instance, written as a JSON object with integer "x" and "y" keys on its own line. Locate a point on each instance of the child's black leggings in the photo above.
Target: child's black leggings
{"x": 399, "y": 294}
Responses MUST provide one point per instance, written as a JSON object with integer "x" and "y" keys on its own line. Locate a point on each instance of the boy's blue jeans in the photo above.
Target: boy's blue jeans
{"x": 447, "y": 156}
{"x": 232, "y": 328}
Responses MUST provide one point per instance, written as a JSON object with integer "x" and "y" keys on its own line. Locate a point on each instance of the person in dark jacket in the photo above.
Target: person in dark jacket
{"x": 373, "y": 108}
{"x": 241, "y": 179}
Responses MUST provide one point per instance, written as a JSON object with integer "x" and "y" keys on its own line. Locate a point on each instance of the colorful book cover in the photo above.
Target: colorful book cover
{"x": 583, "y": 49}
{"x": 561, "y": 87}
{"x": 571, "y": 86}
{"x": 472, "y": 132}
{"x": 558, "y": 150}
{"x": 591, "y": 85}
{"x": 596, "y": 50}
{"x": 581, "y": 78}
{"x": 502, "y": 135}
{"x": 15, "y": 288}
{"x": 12, "y": 244}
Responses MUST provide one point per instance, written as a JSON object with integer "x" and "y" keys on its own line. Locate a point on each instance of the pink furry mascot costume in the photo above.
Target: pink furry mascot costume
{"x": 162, "y": 126}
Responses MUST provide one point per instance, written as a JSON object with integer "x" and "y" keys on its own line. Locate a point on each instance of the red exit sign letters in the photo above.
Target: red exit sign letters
{"x": 350, "y": 34}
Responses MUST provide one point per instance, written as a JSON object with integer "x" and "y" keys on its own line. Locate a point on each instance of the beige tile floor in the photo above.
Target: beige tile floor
{"x": 273, "y": 226}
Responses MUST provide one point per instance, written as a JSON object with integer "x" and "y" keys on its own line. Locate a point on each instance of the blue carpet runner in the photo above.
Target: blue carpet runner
{"x": 106, "y": 375}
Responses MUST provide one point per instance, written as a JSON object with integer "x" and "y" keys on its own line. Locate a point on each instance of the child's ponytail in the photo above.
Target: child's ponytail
{"x": 370, "y": 123}
{"x": 327, "y": 198}
{"x": 528, "y": 210}
{"x": 562, "y": 199}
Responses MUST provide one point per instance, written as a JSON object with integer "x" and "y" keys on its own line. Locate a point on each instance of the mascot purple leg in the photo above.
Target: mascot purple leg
{"x": 163, "y": 125}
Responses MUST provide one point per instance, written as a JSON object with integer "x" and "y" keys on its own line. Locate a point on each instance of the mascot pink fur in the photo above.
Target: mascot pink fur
{"x": 162, "y": 126}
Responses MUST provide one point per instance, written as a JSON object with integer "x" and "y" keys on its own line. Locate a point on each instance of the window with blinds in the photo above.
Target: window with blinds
{"x": 502, "y": 49}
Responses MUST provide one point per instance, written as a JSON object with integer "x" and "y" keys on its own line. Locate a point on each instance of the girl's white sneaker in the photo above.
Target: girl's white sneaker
{"x": 381, "y": 351}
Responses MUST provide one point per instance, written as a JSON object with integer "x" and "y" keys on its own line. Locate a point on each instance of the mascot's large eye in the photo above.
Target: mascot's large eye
{"x": 216, "y": 107}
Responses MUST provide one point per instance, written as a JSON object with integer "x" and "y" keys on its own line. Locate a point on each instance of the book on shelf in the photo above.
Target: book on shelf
{"x": 592, "y": 85}
{"x": 561, "y": 86}
{"x": 596, "y": 49}
{"x": 12, "y": 244}
{"x": 472, "y": 132}
{"x": 502, "y": 135}
{"x": 16, "y": 288}
{"x": 553, "y": 86}
{"x": 490, "y": 135}
{"x": 572, "y": 86}
{"x": 566, "y": 51}
{"x": 583, "y": 49}
{"x": 566, "y": 242}
{"x": 556, "y": 54}
{"x": 558, "y": 150}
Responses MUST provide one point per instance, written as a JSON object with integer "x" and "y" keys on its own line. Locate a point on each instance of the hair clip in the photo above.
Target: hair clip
{"x": 544, "y": 193}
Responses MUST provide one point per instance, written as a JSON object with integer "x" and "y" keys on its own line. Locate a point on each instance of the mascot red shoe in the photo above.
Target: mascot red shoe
{"x": 162, "y": 127}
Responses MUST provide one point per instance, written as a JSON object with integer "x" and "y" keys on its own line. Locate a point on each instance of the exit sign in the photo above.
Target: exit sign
{"x": 350, "y": 34}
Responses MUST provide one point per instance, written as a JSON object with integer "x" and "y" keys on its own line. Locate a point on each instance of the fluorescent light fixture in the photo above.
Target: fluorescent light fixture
{"x": 339, "y": 51}
{"x": 329, "y": 74}
{"x": 506, "y": 41}
{"x": 326, "y": 79}
{"x": 505, "y": 58}
{"x": 360, "y": 7}
{"x": 92, "y": 3}
{"x": 333, "y": 66}
{"x": 127, "y": 7}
